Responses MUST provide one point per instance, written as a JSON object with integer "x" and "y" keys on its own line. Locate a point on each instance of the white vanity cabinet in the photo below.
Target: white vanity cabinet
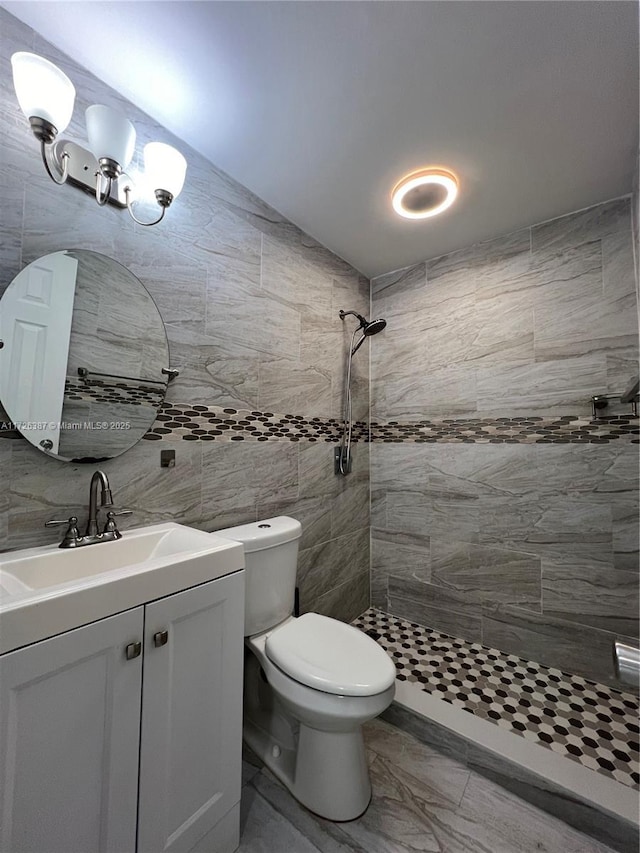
{"x": 104, "y": 752}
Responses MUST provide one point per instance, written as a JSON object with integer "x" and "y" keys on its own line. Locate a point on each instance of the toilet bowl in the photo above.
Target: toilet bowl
{"x": 310, "y": 682}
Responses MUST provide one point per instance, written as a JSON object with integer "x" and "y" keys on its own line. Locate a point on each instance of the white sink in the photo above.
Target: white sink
{"x": 45, "y": 591}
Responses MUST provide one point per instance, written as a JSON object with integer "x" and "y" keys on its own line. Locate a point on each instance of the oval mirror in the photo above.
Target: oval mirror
{"x": 82, "y": 356}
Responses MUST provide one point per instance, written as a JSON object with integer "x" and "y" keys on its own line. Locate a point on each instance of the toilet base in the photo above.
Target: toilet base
{"x": 327, "y": 772}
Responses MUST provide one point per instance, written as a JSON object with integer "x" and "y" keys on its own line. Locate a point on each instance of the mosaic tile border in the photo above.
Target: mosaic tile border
{"x": 183, "y": 422}
{"x": 224, "y": 423}
{"x": 98, "y": 391}
{"x": 217, "y": 423}
{"x": 566, "y": 429}
{"x": 585, "y": 722}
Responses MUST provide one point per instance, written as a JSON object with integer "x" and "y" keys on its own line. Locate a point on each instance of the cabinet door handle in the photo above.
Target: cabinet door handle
{"x": 160, "y": 638}
{"x": 133, "y": 650}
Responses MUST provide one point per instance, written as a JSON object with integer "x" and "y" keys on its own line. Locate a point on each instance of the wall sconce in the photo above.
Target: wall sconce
{"x": 46, "y": 97}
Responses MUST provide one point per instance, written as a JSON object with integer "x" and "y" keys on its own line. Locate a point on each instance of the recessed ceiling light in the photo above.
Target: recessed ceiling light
{"x": 424, "y": 193}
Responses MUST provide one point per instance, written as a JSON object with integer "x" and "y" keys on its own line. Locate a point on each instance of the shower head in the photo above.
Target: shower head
{"x": 369, "y": 327}
{"x": 374, "y": 326}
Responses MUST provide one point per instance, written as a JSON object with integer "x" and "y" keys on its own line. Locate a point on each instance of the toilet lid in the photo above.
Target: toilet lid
{"x": 330, "y": 656}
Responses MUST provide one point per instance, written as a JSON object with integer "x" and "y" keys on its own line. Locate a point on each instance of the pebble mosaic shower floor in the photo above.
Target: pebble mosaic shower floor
{"x": 579, "y": 719}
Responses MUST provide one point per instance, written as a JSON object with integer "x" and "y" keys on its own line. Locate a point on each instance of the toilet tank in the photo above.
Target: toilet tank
{"x": 271, "y": 558}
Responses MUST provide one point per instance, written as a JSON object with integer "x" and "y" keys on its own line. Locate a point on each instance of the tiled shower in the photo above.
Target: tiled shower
{"x": 501, "y": 512}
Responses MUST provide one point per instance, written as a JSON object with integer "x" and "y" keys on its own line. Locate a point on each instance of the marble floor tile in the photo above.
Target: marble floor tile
{"x": 422, "y": 801}
{"x": 264, "y": 830}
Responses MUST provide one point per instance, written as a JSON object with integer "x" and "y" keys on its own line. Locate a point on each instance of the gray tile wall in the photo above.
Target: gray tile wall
{"x": 251, "y": 309}
{"x": 528, "y": 548}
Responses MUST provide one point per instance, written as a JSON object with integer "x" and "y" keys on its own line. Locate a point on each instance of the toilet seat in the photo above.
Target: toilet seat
{"x": 330, "y": 656}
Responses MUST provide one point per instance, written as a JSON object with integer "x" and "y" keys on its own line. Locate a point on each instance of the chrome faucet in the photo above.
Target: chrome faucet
{"x": 106, "y": 499}
{"x": 92, "y": 536}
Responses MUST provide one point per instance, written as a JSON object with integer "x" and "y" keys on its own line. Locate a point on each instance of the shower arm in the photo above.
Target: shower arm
{"x": 361, "y": 319}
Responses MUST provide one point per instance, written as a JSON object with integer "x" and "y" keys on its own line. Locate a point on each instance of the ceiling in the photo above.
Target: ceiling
{"x": 320, "y": 107}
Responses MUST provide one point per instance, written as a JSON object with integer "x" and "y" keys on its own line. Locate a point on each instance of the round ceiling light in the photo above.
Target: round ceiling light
{"x": 424, "y": 193}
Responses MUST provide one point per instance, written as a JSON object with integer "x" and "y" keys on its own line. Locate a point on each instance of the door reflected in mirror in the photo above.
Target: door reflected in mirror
{"x": 83, "y": 355}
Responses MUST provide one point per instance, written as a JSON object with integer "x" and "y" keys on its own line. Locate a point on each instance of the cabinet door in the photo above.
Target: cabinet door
{"x": 190, "y": 751}
{"x": 69, "y": 738}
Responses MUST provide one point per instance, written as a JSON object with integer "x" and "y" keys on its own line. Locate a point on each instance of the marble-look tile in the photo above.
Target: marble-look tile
{"x": 447, "y": 777}
{"x": 622, "y": 367}
{"x": 314, "y": 514}
{"x": 626, "y": 534}
{"x": 552, "y": 799}
{"x": 601, "y": 597}
{"x": 238, "y": 475}
{"x": 326, "y": 566}
{"x": 570, "y": 306}
{"x": 570, "y": 530}
{"x": 83, "y": 224}
{"x": 504, "y": 330}
{"x": 263, "y": 829}
{"x": 435, "y": 597}
{"x": 515, "y": 827}
{"x": 379, "y": 587}
{"x": 287, "y": 386}
{"x": 399, "y": 466}
{"x": 42, "y": 488}
{"x": 316, "y": 469}
{"x": 350, "y": 510}
{"x": 350, "y": 292}
{"x": 469, "y": 260}
{"x": 491, "y": 469}
{"x": 179, "y": 291}
{"x": 400, "y": 554}
{"x": 555, "y": 642}
{"x": 486, "y": 574}
{"x": 289, "y": 278}
{"x": 506, "y": 278}
{"x": 158, "y": 494}
{"x": 249, "y": 318}
{"x": 379, "y": 509}
{"x": 430, "y": 613}
{"x": 582, "y": 227}
{"x": 434, "y": 516}
{"x": 15, "y": 36}
{"x": 602, "y": 470}
{"x": 346, "y": 601}
{"x": 405, "y": 285}
{"x": 449, "y": 391}
{"x": 425, "y": 731}
{"x": 554, "y": 386}
{"x": 212, "y": 372}
{"x": 11, "y": 226}
{"x": 618, "y": 271}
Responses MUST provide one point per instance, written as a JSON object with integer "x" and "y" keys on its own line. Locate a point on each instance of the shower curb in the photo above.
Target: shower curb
{"x": 554, "y": 799}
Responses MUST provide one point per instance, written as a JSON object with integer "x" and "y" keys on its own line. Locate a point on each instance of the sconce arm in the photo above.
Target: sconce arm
{"x": 64, "y": 157}
{"x": 102, "y": 197}
{"x": 127, "y": 192}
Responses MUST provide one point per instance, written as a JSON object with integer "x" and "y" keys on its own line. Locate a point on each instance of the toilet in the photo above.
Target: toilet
{"x": 310, "y": 682}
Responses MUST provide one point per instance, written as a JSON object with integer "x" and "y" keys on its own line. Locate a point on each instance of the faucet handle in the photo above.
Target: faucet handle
{"x": 111, "y": 526}
{"x": 71, "y": 536}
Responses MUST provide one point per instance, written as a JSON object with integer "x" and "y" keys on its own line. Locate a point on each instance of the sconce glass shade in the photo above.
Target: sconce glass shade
{"x": 42, "y": 89}
{"x": 164, "y": 168}
{"x": 110, "y": 134}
